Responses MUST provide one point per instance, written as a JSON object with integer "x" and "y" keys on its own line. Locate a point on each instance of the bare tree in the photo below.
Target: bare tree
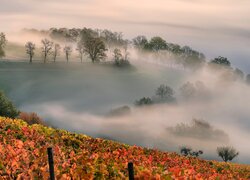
{"x": 56, "y": 51}
{"x": 80, "y": 49}
{"x": 68, "y": 51}
{"x": 95, "y": 48}
{"x": 227, "y": 153}
{"x": 30, "y": 48}
{"x": 47, "y": 48}
{"x": 3, "y": 42}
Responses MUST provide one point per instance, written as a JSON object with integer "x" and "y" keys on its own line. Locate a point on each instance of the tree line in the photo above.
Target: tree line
{"x": 95, "y": 44}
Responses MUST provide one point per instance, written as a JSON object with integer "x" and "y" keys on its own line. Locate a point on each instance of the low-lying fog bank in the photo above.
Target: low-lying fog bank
{"x": 78, "y": 97}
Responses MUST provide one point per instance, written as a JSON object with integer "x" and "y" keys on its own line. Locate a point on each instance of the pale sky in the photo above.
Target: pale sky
{"x": 215, "y": 27}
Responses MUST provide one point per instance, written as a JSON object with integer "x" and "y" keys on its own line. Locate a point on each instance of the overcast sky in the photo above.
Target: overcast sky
{"x": 215, "y": 27}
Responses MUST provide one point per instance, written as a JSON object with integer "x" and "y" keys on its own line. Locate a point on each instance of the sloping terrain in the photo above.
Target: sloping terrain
{"x": 23, "y": 150}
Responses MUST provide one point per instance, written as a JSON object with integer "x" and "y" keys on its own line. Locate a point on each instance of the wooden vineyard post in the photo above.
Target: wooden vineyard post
{"x": 51, "y": 163}
{"x": 130, "y": 171}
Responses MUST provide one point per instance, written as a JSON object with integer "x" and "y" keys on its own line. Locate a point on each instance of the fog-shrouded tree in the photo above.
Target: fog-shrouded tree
{"x": 227, "y": 153}
{"x": 165, "y": 93}
{"x": 188, "y": 90}
{"x": 67, "y": 50}
{"x": 56, "y": 51}
{"x": 47, "y": 47}
{"x": 80, "y": 49}
{"x": 95, "y": 48}
{"x": 7, "y": 109}
{"x": 221, "y": 61}
{"x": 248, "y": 79}
{"x": 30, "y": 50}
{"x": 119, "y": 59}
{"x": 3, "y": 42}
{"x": 239, "y": 74}
{"x": 156, "y": 44}
{"x": 140, "y": 42}
{"x": 117, "y": 54}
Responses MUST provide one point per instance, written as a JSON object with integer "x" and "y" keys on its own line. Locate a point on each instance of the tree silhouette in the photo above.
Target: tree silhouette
{"x": 30, "y": 50}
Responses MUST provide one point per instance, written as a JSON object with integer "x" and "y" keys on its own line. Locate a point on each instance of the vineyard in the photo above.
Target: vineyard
{"x": 23, "y": 150}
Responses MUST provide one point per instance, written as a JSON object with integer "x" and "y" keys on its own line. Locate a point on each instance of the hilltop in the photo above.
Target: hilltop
{"x": 23, "y": 155}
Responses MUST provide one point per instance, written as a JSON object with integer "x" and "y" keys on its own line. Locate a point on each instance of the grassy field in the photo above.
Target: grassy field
{"x": 86, "y": 86}
{"x": 76, "y": 156}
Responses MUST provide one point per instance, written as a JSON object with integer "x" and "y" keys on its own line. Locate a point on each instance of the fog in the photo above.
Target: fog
{"x": 78, "y": 97}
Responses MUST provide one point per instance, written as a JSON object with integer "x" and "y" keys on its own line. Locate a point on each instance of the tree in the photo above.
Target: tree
{"x": 144, "y": 101}
{"x": 3, "y": 42}
{"x": 80, "y": 49}
{"x": 165, "y": 93}
{"x": 140, "y": 42}
{"x": 68, "y": 51}
{"x": 239, "y": 75}
{"x": 119, "y": 59}
{"x": 7, "y": 109}
{"x": 221, "y": 61}
{"x": 95, "y": 48}
{"x": 156, "y": 44}
{"x": 188, "y": 90}
{"x": 248, "y": 79}
{"x": 117, "y": 56}
{"x": 47, "y": 48}
{"x": 56, "y": 51}
{"x": 30, "y": 50}
{"x": 227, "y": 153}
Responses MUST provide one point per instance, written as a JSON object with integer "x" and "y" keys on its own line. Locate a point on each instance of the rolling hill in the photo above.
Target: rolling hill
{"x": 23, "y": 150}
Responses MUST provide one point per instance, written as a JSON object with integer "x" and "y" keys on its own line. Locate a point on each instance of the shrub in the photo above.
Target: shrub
{"x": 187, "y": 151}
{"x": 7, "y": 109}
{"x": 31, "y": 118}
{"x": 144, "y": 101}
{"x": 120, "y": 111}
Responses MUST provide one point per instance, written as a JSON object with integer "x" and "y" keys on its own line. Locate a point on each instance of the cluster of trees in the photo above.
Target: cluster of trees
{"x": 165, "y": 94}
{"x": 227, "y": 153}
{"x": 89, "y": 42}
{"x": 94, "y": 48}
{"x": 198, "y": 129}
{"x": 185, "y": 55}
{"x": 223, "y": 64}
{"x": 96, "y": 43}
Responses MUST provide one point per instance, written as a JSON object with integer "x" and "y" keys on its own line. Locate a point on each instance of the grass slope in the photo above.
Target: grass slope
{"x": 24, "y": 156}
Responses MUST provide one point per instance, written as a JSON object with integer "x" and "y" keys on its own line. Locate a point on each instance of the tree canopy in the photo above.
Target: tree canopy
{"x": 3, "y": 42}
{"x": 221, "y": 61}
{"x": 95, "y": 48}
{"x": 227, "y": 153}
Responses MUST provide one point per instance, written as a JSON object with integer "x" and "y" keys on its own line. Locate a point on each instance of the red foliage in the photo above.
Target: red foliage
{"x": 23, "y": 152}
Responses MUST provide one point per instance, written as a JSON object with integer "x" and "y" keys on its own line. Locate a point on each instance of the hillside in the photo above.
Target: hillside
{"x": 23, "y": 156}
